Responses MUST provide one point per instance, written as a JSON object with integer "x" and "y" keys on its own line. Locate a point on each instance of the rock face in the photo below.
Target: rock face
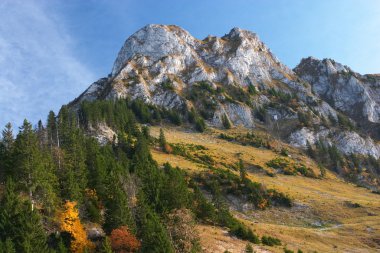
{"x": 163, "y": 50}
{"x": 163, "y": 65}
{"x": 356, "y": 95}
{"x": 159, "y": 54}
{"x": 347, "y": 142}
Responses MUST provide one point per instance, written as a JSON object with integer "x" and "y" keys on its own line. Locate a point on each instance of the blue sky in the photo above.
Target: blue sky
{"x": 50, "y": 51}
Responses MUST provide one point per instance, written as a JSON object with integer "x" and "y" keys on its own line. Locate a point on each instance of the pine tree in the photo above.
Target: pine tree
{"x": 21, "y": 224}
{"x": 118, "y": 212}
{"x": 152, "y": 233}
{"x": 10, "y": 210}
{"x": 226, "y": 122}
{"x": 6, "y": 150}
{"x": 51, "y": 128}
{"x": 175, "y": 193}
{"x": 106, "y": 246}
{"x": 73, "y": 169}
{"x": 32, "y": 235}
{"x": 7, "y": 246}
{"x": 162, "y": 139}
{"x": 8, "y": 139}
{"x": 34, "y": 169}
{"x": 242, "y": 171}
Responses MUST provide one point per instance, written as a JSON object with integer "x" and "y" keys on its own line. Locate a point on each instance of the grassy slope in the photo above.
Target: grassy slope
{"x": 320, "y": 220}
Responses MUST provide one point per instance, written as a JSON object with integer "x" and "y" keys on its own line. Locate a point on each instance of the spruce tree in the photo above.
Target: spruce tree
{"x": 242, "y": 171}
{"x": 7, "y": 246}
{"x": 6, "y": 153}
{"x": 21, "y": 224}
{"x": 34, "y": 168}
{"x": 32, "y": 235}
{"x": 8, "y": 139}
{"x": 162, "y": 141}
{"x": 175, "y": 193}
{"x": 106, "y": 246}
{"x": 118, "y": 212}
{"x": 152, "y": 233}
{"x": 226, "y": 122}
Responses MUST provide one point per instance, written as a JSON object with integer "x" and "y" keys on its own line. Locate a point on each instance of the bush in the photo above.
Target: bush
{"x": 200, "y": 125}
{"x": 284, "y": 152}
{"x": 226, "y": 122}
{"x": 168, "y": 85}
{"x": 252, "y": 89}
{"x": 122, "y": 240}
{"x": 244, "y": 233}
{"x": 278, "y": 163}
{"x": 174, "y": 117}
{"x": 248, "y": 248}
{"x": 270, "y": 241}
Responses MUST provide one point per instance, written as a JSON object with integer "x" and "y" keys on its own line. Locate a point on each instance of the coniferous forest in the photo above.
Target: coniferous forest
{"x": 57, "y": 182}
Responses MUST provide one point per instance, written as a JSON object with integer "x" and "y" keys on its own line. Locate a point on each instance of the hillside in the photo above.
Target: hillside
{"x": 193, "y": 145}
{"x": 323, "y": 217}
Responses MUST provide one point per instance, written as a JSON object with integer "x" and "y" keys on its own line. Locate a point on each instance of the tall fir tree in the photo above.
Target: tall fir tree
{"x": 34, "y": 170}
{"x": 118, "y": 212}
{"x": 20, "y": 224}
{"x": 6, "y": 152}
{"x": 154, "y": 236}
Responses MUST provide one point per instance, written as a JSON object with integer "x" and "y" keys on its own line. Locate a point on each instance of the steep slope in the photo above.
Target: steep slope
{"x": 352, "y": 93}
{"x": 163, "y": 65}
{"x": 235, "y": 80}
{"x": 324, "y": 217}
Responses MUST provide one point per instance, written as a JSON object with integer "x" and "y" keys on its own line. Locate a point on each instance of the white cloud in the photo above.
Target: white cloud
{"x": 38, "y": 70}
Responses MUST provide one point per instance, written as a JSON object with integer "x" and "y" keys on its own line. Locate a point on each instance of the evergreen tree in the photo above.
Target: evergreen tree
{"x": 21, "y": 224}
{"x": 73, "y": 170}
{"x": 106, "y": 246}
{"x": 152, "y": 233}
{"x": 7, "y": 246}
{"x": 242, "y": 171}
{"x": 118, "y": 212}
{"x": 52, "y": 129}
{"x": 162, "y": 141}
{"x": 226, "y": 122}
{"x": 6, "y": 151}
{"x": 32, "y": 234}
{"x": 34, "y": 169}
{"x": 175, "y": 193}
{"x": 8, "y": 139}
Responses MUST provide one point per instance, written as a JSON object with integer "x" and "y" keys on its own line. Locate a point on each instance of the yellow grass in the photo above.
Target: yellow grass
{"x": 342, "y": 228}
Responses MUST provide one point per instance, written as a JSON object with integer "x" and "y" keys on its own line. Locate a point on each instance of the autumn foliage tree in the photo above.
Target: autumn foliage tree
{"x": 123, "y": 241}
{"x": 70, "y": 223}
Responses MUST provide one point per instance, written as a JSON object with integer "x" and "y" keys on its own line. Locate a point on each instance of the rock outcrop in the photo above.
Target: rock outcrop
{"x": 159, "y": 54}
{"x": 352, "y": 93}
{"x": 163, "y": 65}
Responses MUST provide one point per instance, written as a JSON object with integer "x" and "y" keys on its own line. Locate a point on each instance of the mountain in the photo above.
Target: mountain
{"x": 195, "y": 145}
{"x": 347, "y": 91}
{"x": 158, "y": 54}
{"x": 236, "y": 80}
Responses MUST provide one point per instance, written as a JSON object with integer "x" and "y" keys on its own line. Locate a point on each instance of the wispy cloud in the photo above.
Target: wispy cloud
{"x": 38, "y": 70}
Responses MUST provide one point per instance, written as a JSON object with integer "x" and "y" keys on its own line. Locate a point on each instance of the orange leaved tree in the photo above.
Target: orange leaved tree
{"x": 123, "y": 241}
{"x": 70, "y": 223}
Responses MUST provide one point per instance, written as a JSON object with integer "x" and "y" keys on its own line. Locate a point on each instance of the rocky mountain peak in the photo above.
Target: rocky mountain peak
{"x": 164, "y": 50}
{"x": 236, "y": 80}
{"x": 313, "y": 66}
{"x": 350, "y": 92}
{"x": 154, "y": 41}
{"x": 237, "y": 32}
